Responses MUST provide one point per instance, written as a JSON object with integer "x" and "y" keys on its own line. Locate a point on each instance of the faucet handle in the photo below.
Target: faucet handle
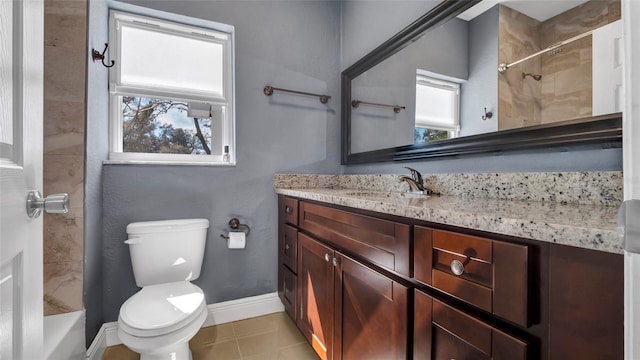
{"x": 415, "y": 175}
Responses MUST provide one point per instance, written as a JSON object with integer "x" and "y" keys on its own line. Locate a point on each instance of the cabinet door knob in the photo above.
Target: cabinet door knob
{"x": 327, "y": 257}
{"x": 287, "y": 246}
{"x": 288, "y": 209}
{"x": 336, "y": 261}
{"x": 457, "y": 267}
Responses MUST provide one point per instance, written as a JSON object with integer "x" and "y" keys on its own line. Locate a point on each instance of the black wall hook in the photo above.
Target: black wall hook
{"x": 96, "y": 55}
{"x": 487, "y": 114}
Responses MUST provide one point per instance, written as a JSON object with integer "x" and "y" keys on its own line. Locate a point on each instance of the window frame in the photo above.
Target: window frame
{"x": 214, "y": 32}
{"x": 445, "y": 84}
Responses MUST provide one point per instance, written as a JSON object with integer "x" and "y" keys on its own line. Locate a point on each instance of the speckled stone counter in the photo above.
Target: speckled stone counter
{"x": 587, "y": 221}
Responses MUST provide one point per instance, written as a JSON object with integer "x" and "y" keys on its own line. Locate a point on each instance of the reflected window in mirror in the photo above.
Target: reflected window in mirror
{"x": 437, "y": 109}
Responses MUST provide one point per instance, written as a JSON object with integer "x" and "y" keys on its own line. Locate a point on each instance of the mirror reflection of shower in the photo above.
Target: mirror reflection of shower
{"x": 535, "y": 77}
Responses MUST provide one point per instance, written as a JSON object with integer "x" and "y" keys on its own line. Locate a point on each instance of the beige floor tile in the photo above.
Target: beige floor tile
{"x": 227, "y": 350}
{"x": 288, "y": 335}
{"x": 295, "y": 352}
{"x": 260, "y": 324}
{"x": 258, "y": 344}
{"x": 119, "y": 352}
{"x": 267, "y": 337}
{"x": 212, "y": 334}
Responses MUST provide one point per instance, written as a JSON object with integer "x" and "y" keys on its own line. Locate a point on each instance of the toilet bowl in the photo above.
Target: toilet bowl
{"x": 159, "y": 320}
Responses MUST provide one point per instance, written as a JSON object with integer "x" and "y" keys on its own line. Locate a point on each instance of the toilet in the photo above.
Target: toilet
{"x": 159, "y": 320}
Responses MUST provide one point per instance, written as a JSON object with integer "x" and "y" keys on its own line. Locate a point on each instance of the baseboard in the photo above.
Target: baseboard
{"x": 219, "y": 313}
{"x": 107, "y": 336}
{"x": 245, "y": 308}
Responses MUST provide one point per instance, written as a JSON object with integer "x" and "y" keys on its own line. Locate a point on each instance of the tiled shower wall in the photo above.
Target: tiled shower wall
{"x": 64, "y": 108}
{"x": 564, "y": 91}
{"x": 567, "y": 81}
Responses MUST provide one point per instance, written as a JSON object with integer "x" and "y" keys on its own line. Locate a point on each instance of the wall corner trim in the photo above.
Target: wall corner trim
{"x": 219, "y": 313}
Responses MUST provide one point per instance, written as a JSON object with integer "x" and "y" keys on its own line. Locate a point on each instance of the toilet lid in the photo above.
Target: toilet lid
{"x": 160, "y": 309}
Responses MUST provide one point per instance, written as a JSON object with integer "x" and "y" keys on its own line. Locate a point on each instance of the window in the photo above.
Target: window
{"x": 437, "y": 109}
{"x": 171, "y": 91}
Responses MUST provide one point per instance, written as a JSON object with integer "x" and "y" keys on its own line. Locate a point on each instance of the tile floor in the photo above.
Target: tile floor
{"x": 269, "y": 337}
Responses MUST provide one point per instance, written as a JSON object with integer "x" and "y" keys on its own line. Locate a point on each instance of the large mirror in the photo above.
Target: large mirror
{"x": 477, "y": 76}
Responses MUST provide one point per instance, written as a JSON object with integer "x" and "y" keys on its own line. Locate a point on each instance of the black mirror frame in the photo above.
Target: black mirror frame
{"x": 593, "y": 130}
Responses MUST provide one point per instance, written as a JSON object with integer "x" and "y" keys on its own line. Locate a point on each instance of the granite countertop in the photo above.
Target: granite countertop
{"x": 591, "y": 226}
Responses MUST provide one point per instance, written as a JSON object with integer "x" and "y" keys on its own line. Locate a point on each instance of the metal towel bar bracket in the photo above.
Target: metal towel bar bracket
{"x": 268, "y": 90}
{"x": 396, "y": 108}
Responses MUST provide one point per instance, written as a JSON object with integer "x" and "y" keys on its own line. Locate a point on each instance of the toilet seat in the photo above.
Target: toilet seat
{"x": 161, "y": 309}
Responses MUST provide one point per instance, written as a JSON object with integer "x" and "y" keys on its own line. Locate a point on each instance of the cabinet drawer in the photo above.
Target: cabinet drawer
{"x": 288, "y": 246}
{"x": 288, "y": 210}
{"x": 492, "y": 275}
{"x": 287, "y": 290}
{"x": 384, "y": 243}
{"x": 444, "y": 332}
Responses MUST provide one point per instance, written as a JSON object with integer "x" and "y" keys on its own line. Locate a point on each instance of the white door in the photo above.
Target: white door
{"x": 631, "y": 164}
{"x": 607, "y": 56}
{"x": 21, "y": 98}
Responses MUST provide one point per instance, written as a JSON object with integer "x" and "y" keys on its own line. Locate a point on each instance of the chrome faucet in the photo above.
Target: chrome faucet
{"x": 415, "y": 181}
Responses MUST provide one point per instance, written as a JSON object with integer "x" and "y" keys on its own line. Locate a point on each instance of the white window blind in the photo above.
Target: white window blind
{"x": 437, "y": 104}
{"x": 161, "y": 59}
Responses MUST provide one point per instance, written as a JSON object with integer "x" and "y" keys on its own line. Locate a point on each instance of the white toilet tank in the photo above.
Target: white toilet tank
{"x": 167, "y": 250}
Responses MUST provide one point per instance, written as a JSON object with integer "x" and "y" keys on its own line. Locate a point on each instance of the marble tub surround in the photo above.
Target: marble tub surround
{"x": 64, "y": 124}
{"x": 571, "y": 208}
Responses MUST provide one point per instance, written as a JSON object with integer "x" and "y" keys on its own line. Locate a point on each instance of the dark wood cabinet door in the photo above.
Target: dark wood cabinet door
{"x": 371, "y": 314}
{"x": 586, "y": 289}
{"x": 287, "y": 290}
{"x": 442, "y": 332}
{"x": 315, "y": 294}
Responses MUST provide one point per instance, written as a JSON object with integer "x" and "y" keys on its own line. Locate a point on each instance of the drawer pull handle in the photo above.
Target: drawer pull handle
{"x": 327, "y": 257}
{"x": 288, "y": 209}
{"x": 457, "y": 267}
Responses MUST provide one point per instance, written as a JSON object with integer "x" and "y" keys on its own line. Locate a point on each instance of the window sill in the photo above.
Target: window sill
{"x": 167, "y": 162}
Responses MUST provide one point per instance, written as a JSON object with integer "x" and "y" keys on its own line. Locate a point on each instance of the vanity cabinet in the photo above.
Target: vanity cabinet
{"x": 348, "y": 310}
{"x": 364, "y": 285}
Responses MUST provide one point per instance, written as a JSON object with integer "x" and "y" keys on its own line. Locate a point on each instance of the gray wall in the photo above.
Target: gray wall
{"x": 285, "y": 44}
{"x": 481, "y": 88}
{"x": 367, "y": 24}
{"x": 96, "y": 143}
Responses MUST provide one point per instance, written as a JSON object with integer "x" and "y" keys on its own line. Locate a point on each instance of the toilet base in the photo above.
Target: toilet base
{"x": 180, "y": 352}
{"x": 173, "y": 346}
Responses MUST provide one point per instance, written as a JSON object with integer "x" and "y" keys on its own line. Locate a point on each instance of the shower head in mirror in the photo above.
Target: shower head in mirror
{"x": 535, "y": 77}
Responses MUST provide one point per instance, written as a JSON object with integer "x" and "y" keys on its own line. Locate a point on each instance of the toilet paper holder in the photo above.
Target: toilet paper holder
{"x": 235, "y": 224}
